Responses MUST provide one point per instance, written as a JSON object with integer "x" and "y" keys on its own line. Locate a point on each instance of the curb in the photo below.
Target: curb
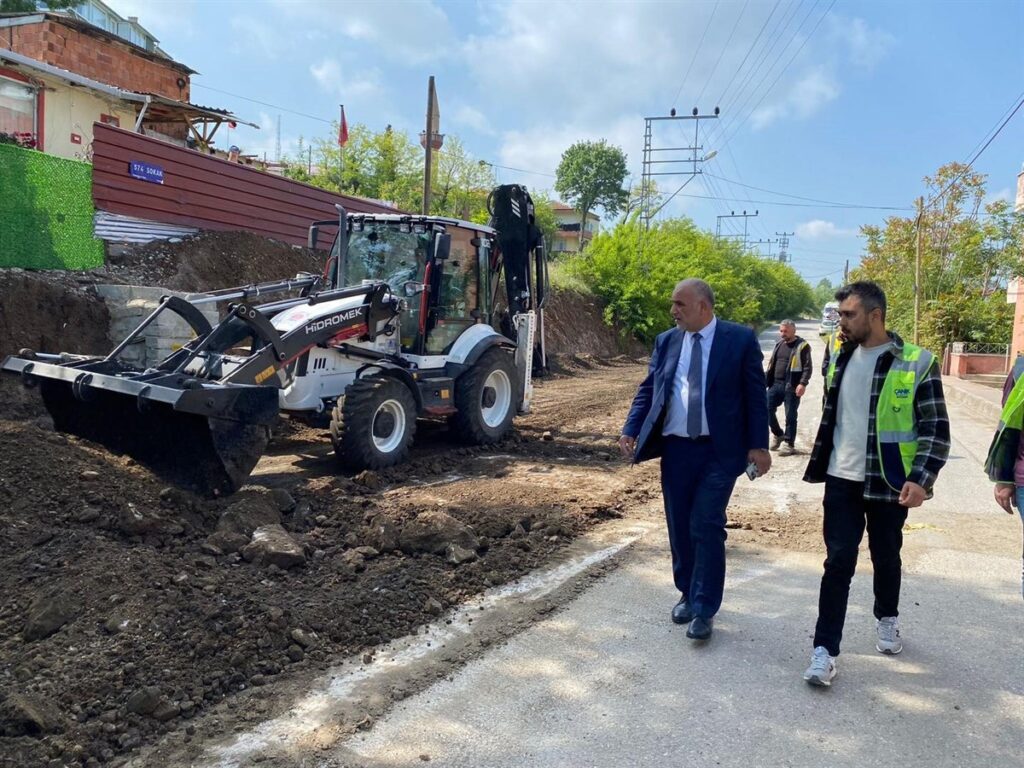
{"x": 979, "y": 406}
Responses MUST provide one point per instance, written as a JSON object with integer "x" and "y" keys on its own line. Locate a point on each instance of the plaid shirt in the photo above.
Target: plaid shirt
{"x": 931, "y": 422}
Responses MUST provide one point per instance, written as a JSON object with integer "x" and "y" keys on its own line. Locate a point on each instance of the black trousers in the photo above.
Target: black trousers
{"x": 846, "y": 513}
{"x": 782, "y": 394}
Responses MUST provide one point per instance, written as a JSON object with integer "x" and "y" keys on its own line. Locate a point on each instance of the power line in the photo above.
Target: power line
{"x": 264, "y": 103}
{"x": 721, "y": 53}
{"x": 960, "y": 175}
{"x": 520, "y": 170}
{"x": 749, "y": 51}
{"x": 787, "y": 66}
{"x": 830, "y": 203}
{"x": 795, "y": 205}
{"x": 696, "y": 51}
{"x": 746, "y": 92}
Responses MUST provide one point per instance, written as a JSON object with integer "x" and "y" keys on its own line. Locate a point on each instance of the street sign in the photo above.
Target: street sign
{"x": 146, "y": 172}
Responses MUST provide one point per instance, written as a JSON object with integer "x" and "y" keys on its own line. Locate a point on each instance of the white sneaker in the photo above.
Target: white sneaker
{"x": 888, "y": 629}
{"x": 823, "y": 668}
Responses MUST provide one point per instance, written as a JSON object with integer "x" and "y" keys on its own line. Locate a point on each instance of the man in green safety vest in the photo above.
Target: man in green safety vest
{"x": 1005, "y": 463}
{"x": 833, "y": 343}
{"x": 883, "y": 438}
{"x": 787, "y": 377}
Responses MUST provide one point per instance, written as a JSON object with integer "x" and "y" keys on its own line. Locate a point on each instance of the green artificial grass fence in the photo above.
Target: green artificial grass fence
{"x": 46, "y": 212}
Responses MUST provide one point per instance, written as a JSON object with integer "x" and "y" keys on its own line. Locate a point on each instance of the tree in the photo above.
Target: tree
{"x": 636, "y": 198}
{"x": 544, "y": 217}
{"x": 969, "y": 250}
{"x": 461, "y": 183}
{"x": 636, "y": 283}
{"x": 590, "y": 176}
{"x": 824, "y": 292}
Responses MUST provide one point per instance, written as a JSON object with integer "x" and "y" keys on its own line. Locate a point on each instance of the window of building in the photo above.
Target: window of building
{"x": 17, "y": 107}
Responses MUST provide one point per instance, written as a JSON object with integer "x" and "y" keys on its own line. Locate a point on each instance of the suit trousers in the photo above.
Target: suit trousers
{"x": 846, "y": 513}
{"x": 696, "y": 490}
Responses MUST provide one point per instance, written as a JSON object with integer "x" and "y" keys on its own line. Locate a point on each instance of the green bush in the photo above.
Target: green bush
{"x": 636, "y": 282}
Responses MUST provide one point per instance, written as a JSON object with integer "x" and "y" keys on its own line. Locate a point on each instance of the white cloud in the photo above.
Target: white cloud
{"x": 809, "y": 94}
{"x": 819, "y": 229}
{"x": 330, "y": 77}
{"x": 539, "y": 149}
{"x": 249, "y": 33}
{"x": 473, "y": 118}
{"x": 413, "y": 32}
{"x": 865, "y": 46}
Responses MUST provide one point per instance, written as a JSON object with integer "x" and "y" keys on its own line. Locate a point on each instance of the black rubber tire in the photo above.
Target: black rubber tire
{"x": 468, "y": 422}
{"x": 353, "y": 421}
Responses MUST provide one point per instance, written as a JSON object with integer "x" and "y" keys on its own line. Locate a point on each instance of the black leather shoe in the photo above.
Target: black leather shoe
{"x": 682, "y": 612}
{"x": 700, "y": 629}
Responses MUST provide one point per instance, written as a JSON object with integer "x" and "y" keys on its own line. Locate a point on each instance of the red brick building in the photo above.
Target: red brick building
{"x": 62, "y": 72}
{"x": 85, "y": 49}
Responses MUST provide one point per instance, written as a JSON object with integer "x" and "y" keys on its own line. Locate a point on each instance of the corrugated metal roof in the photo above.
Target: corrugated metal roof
{"x": 20, "y": 60}
{"x": 117, "y": 228}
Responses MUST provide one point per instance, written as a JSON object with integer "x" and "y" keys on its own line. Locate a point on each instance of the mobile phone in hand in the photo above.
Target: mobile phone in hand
{"x": 752, "y": 471}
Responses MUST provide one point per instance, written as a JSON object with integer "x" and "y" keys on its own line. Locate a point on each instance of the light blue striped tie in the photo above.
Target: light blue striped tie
{"x": 694, "y": 405}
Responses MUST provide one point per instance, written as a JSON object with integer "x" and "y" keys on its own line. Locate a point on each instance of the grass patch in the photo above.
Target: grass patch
{"x": 565, "y": 278}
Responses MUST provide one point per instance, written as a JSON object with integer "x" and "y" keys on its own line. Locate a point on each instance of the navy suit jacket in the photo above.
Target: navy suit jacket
{"x": 734, "y": 400}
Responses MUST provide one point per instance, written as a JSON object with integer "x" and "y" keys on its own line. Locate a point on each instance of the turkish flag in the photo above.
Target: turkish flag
{"x": 343, "y": 129}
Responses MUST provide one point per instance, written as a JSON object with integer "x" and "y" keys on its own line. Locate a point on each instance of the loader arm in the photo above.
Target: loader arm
{"x": 521, "y": 255}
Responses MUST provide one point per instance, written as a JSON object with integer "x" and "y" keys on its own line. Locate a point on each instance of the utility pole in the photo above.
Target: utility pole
{"x": 917, "y": 271}
{"x": 784, "y": 245}
{"x": 734, "y": 215}
{"x": 846, "y": 272}
{"x": 757, "y": 243}
{"x": 674, "y": 165}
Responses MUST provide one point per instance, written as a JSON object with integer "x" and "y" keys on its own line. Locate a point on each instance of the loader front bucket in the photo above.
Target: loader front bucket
{"x": 206, "y": 437}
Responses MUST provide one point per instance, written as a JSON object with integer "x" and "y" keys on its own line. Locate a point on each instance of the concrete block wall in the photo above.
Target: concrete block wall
{"x": 129, "y": 305}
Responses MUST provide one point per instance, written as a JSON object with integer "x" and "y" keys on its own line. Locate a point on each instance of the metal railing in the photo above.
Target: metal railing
{"x": 980, "y": 348}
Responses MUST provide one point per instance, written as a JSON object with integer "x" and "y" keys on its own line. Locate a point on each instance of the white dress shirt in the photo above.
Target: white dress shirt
{"x": 675, "y": 419}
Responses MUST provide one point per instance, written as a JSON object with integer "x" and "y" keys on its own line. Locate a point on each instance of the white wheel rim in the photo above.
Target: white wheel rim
{"x": 495, "y": 414}
{"x": 389, "y": 410}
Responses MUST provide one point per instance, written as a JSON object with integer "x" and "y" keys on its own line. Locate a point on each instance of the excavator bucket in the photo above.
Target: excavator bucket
{"x": 199, "y": 435}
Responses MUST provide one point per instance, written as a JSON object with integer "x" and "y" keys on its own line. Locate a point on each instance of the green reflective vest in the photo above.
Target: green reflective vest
{"x": 1002, "y": 453}
{"x": 895, "y": 428}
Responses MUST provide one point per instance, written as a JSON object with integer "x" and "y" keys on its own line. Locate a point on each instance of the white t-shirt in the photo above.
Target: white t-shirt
{"x": 850, "y": 439}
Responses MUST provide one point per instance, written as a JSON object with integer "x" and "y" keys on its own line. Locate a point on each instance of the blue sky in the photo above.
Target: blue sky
{"x": 881, "y": 94}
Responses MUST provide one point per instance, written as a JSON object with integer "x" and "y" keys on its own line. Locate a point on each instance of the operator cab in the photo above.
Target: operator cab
{"x": 436, "y": 264}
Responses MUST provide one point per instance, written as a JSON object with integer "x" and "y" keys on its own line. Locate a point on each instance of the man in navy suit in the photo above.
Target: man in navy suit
{"x": 703, "y": 410}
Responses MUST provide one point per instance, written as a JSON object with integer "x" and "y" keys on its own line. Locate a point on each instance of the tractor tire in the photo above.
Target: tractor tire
{"x": 373, "y": 424}
{"x": 485, "y": 399}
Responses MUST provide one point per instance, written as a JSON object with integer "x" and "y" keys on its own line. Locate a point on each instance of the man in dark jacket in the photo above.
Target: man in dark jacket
{"x": 787, "y": 377}
{"x": 702, "y": 410}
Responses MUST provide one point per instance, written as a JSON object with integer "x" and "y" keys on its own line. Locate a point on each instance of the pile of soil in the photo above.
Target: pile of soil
{"x": 210, "y": 260}
{"x": 575, "y": 332}
{"x": 120, "y": 618}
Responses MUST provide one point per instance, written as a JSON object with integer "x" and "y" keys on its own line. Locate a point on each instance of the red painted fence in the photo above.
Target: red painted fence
{"x": 207, "y": 192}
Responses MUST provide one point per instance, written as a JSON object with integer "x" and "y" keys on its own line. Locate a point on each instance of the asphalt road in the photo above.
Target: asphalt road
{"x": 609, "y": 681}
